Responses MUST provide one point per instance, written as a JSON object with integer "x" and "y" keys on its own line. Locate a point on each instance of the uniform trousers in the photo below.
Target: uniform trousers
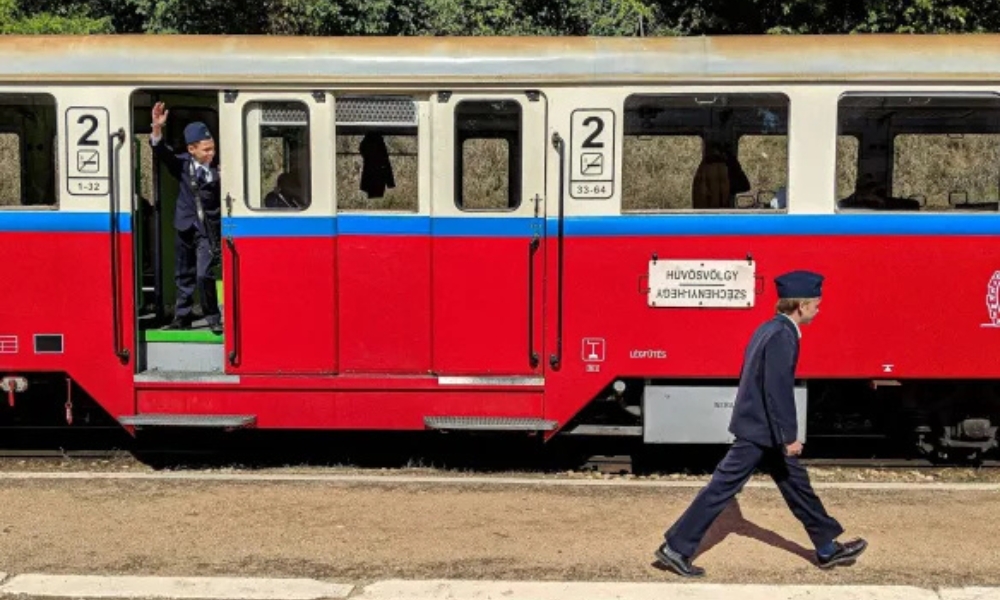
{"x": 731, "y": 475}
{"x": 193, "y": 265}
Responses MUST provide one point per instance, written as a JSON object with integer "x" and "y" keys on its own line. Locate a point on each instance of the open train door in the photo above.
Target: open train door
{"x": 489, "y": 234}
{"x": 278, "y": 227}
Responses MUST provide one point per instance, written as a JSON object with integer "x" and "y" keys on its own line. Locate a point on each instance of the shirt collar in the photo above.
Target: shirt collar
{"x": 794, "y": 324}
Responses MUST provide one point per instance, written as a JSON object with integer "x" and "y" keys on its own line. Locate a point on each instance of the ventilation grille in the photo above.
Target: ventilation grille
{"x": 285, "y": 115}
{"x": 376, "y": 111}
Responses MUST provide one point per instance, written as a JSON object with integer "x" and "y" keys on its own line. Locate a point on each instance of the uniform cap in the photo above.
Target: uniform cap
{"x": 196, "y": 132}
{"x": 799, "y": 284}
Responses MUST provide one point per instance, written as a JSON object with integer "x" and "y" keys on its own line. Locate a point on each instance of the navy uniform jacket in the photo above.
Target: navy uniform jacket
{"x": 764, "y": 412}
{"x": 186, "y": 214}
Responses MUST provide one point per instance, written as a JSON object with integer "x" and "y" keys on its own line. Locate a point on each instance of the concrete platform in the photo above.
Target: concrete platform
{"x": 200, "y": 588}
{"x": 501, "y": 590}
{"x": 31, "y": 586}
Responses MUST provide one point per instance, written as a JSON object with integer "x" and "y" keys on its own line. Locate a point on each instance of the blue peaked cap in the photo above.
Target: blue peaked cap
{"x": 799, "y": 284}
{"x": 196, "y": 132}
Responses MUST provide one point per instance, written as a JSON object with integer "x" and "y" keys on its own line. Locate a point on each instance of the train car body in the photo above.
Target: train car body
{"x": 537, "y": 235}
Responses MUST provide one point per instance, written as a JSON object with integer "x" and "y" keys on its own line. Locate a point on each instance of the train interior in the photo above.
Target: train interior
{"x": 28, "y": 160}
{"x": 727, "y": 151}
{"x": 929, "y": 153}
{"x": 155, "y": 197}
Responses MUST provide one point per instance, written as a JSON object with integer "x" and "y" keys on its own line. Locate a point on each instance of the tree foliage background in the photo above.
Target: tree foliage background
{"x": 499, "y": 17}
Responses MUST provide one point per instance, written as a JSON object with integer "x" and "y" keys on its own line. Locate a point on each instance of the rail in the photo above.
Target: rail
{"x": 532, "y": 248}
{"x": 114, "y": 204}
{"x": 556, "y": 359}
{"x": 234, "y": 353}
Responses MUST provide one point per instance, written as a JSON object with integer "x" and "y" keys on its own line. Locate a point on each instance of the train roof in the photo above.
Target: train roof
{"x": 433, "y": 61}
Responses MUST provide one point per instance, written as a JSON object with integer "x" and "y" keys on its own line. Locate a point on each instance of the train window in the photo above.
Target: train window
{"x": 283, "y": 156}
{"x": 758, "y": 155}
{"x": 924, "y": 153}
{"x": 10, "y": 169}
{"x": 705, "y": 152}
{"x": 647, "y": 181}
{"x": 28, "y": 155}
{"x": 377, "y": 154}
{"x": 488, "y": 155}
{"x": 847, "y": 165}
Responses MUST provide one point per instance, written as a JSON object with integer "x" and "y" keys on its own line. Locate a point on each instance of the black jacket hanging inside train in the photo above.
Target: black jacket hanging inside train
{"x": 376, "y": 172}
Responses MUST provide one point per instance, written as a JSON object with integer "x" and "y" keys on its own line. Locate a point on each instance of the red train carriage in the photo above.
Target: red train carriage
{"x": 533, "y": 235}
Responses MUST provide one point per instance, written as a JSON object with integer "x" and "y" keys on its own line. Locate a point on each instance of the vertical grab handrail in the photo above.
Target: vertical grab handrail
{"x": 235, "y": 324}
{"x": 114, "y": 204}
{"x": 556, "y": 359}
{"x": 532, "y": 248}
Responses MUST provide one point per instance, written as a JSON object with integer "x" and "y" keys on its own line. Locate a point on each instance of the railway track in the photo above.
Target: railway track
{"x": 604, "y": 464}
{"x": 397, "y": 451}
{"x": 613, "y": 465}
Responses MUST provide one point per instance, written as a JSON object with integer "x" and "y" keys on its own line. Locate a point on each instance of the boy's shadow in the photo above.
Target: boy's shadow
{"x": 732, "y": 521}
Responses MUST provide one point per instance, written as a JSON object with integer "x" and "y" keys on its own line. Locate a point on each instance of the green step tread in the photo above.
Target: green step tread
{"x": 189, "y": 336}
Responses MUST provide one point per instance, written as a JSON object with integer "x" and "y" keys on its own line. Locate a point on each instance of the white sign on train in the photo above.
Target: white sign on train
{"x": 701, "y": 283}
{"x": 88, "y": 153}
{"x": 592, "y": 154}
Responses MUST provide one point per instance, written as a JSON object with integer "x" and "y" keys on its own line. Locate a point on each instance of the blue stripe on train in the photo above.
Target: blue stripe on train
{"x": 506, "y": 226}
{"x": 60, "y": 221}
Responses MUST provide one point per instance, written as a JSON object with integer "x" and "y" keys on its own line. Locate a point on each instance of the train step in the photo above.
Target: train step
{"x": 205, "y": 421}
{"x": 489, "y": 423}
{"x": 158, "y": 377}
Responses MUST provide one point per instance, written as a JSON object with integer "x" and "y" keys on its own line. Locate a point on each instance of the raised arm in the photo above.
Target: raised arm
{"x": 160, "y": 148}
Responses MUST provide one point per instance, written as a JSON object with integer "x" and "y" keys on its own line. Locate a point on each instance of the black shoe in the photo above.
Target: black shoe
{"x": 843, "y": 553}
{"x": 677, "y": 563}
{"x": 214, "y": 324}
{"x": 179, "y": 323}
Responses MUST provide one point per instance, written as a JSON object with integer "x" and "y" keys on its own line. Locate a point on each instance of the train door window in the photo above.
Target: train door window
{"x": 377, "y": 154}
{"x": 923, "y": 153}
{"x": 28, "y": 153}
{"x": 683, "y": 152}
{"x": 278, "y": 143}
{"x": 488, "y": 155}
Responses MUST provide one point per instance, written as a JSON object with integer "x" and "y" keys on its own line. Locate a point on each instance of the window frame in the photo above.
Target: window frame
{"x": 252, "y": 169}
{"x": 56, "y": 173}
{"x": 515, "y": 175}
{"x": 637, "y": 94}
{"x": 890, "y": 169}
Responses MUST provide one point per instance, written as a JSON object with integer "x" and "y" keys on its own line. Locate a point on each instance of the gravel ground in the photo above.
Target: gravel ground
{"x": 357, "y": 533}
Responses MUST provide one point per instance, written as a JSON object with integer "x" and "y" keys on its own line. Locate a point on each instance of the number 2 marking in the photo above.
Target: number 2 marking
{"x": 85, "y": 138}
{"x": 589, "y": 142}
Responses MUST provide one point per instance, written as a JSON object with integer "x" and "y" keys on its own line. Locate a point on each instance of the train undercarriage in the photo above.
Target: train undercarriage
{"x": 949, "y": 422}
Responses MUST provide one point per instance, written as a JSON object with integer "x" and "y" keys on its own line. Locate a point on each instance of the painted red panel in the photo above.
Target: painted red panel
{"x": 285, "y": 309}
{"x": 399, "y": 410}
{"x": 61, "y": 284}
{"x": 481, "y": 306}
{"x": 917, "y": 304}
{"x": 384, "y": 303}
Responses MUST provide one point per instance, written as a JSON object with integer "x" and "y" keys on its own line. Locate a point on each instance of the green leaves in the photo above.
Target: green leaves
{"x": 499, "y": 17}
{"x": 66, "y": 20}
